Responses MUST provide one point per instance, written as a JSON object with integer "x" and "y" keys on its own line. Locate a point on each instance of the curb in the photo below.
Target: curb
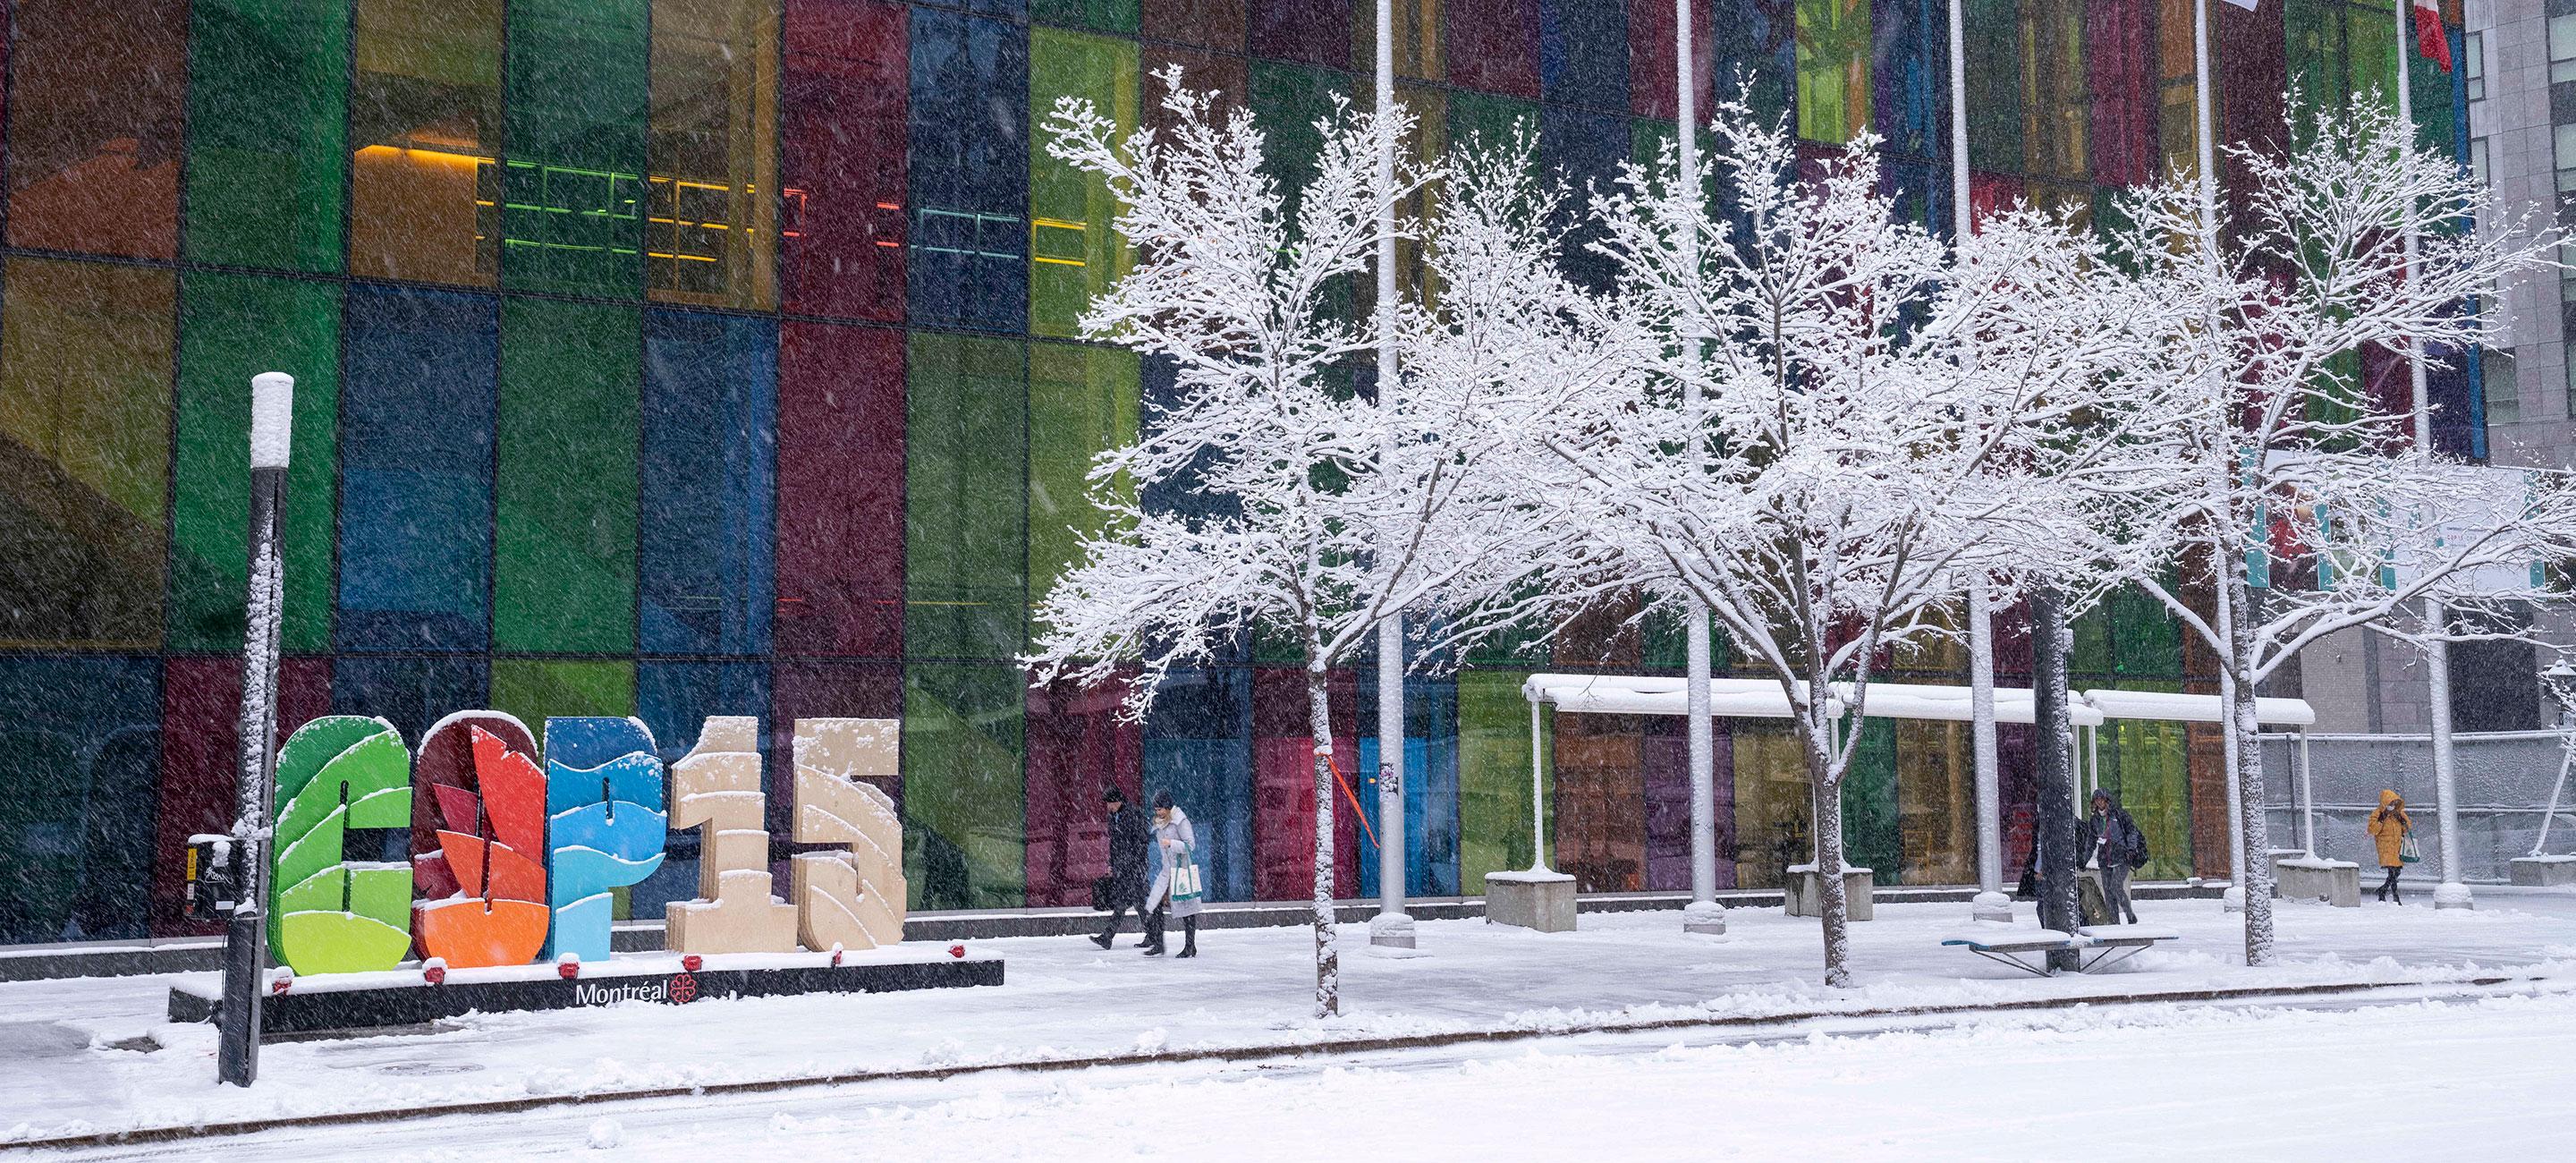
{"x": 1214, "y": 1054}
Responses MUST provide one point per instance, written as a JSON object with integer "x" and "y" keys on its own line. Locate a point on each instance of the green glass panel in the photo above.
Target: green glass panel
{"x": 534, "y": 689}
{"x": 267, "y": 119}
{"x": 2147, "y": 638}
{"x": 1994, "y": 79}
{"x": 84, "y": 451}
{"x": 965, "y": 466}
{"x": 1494, "y": 776}
{"x": 1490, "y": 119}
{"x": 1096, "y": 15}
{"x": 1082, "y": 402}
{"x": 2430, "y": 90}
{"x": 235, "y": 327}
{"x": 1667, "y": 647}
{"x": 577, "y": 87}
{"x": 2092, "y": 633}
{"x": 1871, "y": 838}
{"x": 2147, "y": 765}
{"x": 1833, "y": 69}
{"x": 2370, "y": 64}
{"x": 564, "y": 539}
{"x": 1074, "y": 248}
{"x": 964, "y": 796}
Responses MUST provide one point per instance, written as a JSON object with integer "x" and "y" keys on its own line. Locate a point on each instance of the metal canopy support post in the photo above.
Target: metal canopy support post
{"x": 246, "y": 933}
{"x": 2307, "y": 800}
{"x": 1703, "y": 914}
{"x": 1538, "y": 796}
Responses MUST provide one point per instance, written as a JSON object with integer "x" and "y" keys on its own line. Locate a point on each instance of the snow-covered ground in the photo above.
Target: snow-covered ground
{"x": 62, "y": 1071}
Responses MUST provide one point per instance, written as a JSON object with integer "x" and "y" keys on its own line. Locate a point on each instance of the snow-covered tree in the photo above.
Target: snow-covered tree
{"x": 2280, "y": 493}
{"x": 1235, "y": 287}
{"x": 1875, "y": 418}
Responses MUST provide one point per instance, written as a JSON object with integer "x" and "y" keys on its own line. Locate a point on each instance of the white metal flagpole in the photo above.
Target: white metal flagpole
{"x": 1703, "y": 914}
{"x": 2452, "y": 892}
{"x": 1390, "y": 927}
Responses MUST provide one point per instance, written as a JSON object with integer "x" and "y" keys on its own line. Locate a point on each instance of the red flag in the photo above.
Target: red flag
{"x": 2431, "y": 38}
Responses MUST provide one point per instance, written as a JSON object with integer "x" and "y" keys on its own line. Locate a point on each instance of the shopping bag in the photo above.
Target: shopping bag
{"x": 2408, "y": 852}
{"x": 1185, "y": 877}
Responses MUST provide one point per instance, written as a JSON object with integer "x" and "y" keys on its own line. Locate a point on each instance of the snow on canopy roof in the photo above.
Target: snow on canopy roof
{"x": 2179, "y": 708}
{"x": 1757, "y": 698}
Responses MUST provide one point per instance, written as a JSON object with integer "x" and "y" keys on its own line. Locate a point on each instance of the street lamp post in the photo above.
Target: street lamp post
{"x": 272, "y": 409}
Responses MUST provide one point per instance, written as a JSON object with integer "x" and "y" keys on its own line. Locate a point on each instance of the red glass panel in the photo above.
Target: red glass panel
{"x": 1283, "y": 786}
{"x": 2249, "y": 55}
{"x": 847, "y": 84}
{"x": 98, "y": 120}
{"x": 1317, "y": 32}
{"x": 1493, "y": 45}
{"x": 1650, "y": 57}
{"x": 1988, "y": 193}
{"x": 1229, "y": 75}
{"x": 201, "y": 757}
{"x": 1077, "y": 749}
{"x": 840, "y": 491}
{"x": 2119, "y": 52}
{"x": 1600, "y": 803}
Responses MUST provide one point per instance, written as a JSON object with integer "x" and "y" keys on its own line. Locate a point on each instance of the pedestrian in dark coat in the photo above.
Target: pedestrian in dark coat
{"x": 1130, "y": 846}
{"x": 2111, "y": 842}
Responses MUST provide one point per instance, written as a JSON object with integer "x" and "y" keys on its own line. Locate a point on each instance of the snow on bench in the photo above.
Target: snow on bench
{"x": 2116, "y": 943}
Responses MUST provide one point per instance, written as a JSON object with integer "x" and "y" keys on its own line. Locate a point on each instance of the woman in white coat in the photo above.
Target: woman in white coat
{"x": 1177, "y": 886}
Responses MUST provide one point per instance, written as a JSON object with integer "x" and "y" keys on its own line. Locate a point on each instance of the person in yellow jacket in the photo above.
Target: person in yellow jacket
{"x": 2388, "y": 828}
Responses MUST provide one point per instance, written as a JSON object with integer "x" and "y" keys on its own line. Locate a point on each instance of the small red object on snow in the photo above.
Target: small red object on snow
{"x": 836, "y": 955}
{"x": 692, "y": 962}
{"x": 434, "y": 974}
{"x": 956, "y": 950}
{"x": 568, "y": 970}
{"x": 282, "y": 982}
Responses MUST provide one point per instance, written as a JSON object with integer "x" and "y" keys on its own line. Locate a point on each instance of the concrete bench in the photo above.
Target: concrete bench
{"x": 1535, "y": 899}
{"x": 2111, "y": 944}
{"x": 2544, "y": 871}
{"x": 2301, "y": 877}
{"x": 1803, "y": 892}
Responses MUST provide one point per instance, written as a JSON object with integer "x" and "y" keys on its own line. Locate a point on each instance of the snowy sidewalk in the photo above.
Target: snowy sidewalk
{"x": 62, "y": 1071}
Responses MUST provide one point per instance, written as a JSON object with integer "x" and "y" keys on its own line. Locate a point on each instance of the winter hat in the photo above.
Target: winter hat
{"x": 1162, "y": 800}
{"x": 1113, "y": 795}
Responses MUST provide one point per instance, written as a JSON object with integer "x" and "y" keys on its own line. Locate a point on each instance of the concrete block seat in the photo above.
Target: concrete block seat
{"x": 1533, "y": 899}
{"x": 1804, "y": 891}
{"x": 2544, "y": 871}
{"x": 2301, "y": 877}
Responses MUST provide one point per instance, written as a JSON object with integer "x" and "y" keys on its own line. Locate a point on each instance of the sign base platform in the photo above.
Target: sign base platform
{"x": 405, "y": 997}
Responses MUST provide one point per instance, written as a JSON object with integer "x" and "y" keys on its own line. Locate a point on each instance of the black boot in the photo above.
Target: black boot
{"x": 1189, "y": 936}
{"x": 1104, "y": 940}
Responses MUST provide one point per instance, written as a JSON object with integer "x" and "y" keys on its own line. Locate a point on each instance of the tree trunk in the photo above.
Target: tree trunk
{"x": 2053, "y": 847}
{"x": 1826, "y": 795}
{"x": 1319, "y": 722}
{"x": 2241, "y": 722}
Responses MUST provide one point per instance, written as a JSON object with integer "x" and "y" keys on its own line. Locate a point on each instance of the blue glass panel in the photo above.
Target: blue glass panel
{"x": 1583, "y": 52}
{"x": 1198, "y": 747}
{"x": 710, "y": 440}
{"x": 416, "y": 417}
{"x": 675, "y": 699}
{"x": 1584, "y": 147}
{"x": 1430, "y": 785}
{"x": 968, "y": 165}
{"x": 80, "y": 756}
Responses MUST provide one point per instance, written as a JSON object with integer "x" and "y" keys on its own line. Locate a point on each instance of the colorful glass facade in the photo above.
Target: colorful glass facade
{"x": 695, "y": 357}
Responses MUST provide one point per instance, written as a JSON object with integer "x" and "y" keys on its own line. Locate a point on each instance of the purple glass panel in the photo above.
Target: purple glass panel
{"x": 847, "y": 85}
{"x": 840, "y": 491}
{"x": 1492, "y": 45}
{"x": 1077, "y": 749}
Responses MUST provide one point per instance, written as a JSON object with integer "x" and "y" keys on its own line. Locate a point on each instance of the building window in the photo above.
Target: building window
{"x": 2562, "y": 48}
{"x": 2504, "y": 399}
{"x": 2474, "y": 69}
{"x": 2566, "y": 157}
{"x": 2478, "y": 159}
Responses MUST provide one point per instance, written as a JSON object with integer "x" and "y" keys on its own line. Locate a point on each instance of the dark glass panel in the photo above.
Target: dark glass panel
{"x": 201, "y": 762}
{"x": 411, "y": 693}
{"x": 1651, "y": 91}
{"x": 1584, "y": 147}
{"x": 1216, "y": 24}
{"x": 80, "y": 752}
{"x": 84, "y": 451}
{"x": 97, "y": 116}
{"x": 564, "y": 542}
{"x": 710, "y": 433}
{"x": 711, "y": 213}
{"x": 416, "y": 417}
{"x": 1910, "y": 76}
{"x": 840, "y": 490}
{"x": 1583, "y": 52}
{"x": 968, "y": 171}
{"x": 1600, "y": 809}
{"x": 1283, "y": 785}
{"x": 964, "y": 814}
{"x": 425, "y": 124}
{"x": 1315, "y": 32}
{"x": 1196, "y": 748}
{"x": 233, "y": 327}
{"x": 1994, "y": 78}
{"x": 1096, "y": 15}
{"x": 578, "y": 84}
{"x": 847, "y": 90}
{"x": 965, "y": 544}
{"x": 268, "y": 110}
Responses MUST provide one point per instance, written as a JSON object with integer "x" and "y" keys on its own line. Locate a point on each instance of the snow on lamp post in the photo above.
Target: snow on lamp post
{"x": 272, "y": 409}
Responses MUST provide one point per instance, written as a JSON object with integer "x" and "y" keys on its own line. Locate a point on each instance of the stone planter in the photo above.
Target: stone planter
{"x": 1535, "y": 899}
{"x": 1805, "y": 892}
{"x": 2544, "y": 871}
{"x": 2299, "y": 877}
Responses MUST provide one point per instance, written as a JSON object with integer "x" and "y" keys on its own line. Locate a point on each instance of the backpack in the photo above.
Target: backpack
{"x": 2138, "y": 849}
